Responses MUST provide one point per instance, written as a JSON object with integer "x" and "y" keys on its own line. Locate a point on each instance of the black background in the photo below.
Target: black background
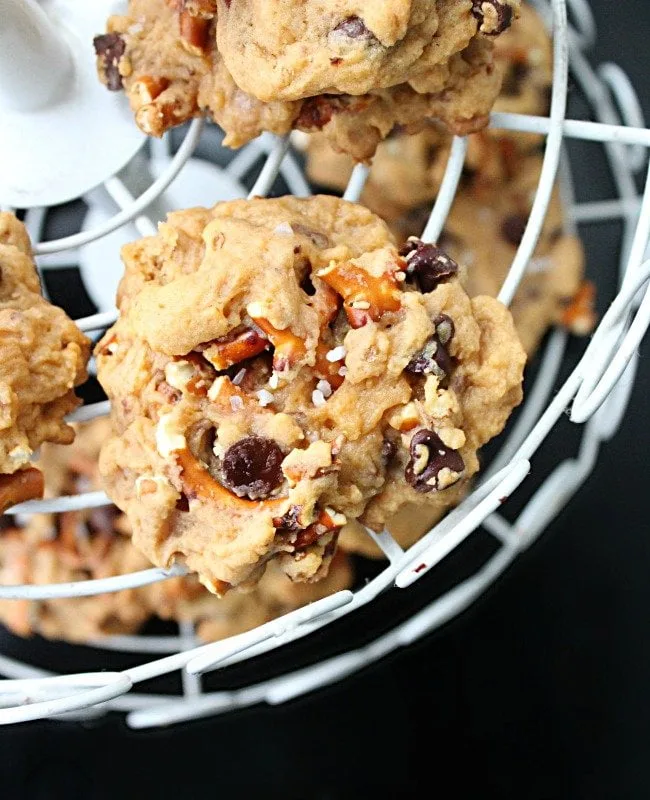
{"x": 540, "y": 690}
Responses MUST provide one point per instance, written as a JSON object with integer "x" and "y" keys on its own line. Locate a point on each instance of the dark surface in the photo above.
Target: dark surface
{"x": 539, "y": 691}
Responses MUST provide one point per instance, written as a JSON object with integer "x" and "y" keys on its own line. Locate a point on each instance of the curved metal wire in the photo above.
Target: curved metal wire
{"x": 593, "y": 383}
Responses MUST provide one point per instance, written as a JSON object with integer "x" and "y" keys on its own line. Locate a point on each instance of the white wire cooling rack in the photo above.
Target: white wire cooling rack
{"x": 596, "y": 391}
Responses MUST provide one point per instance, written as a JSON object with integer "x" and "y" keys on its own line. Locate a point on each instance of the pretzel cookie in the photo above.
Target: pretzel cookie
{"x": 407, "y": 169}
{"x": 352, "y": 70}
{"x": 95, "y": 543}
{"x": 43, "y": 357}
{"x": 279, "y": 368}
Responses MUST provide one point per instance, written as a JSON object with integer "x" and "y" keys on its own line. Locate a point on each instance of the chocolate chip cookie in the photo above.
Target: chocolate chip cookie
{"x": 407, "y": 169}
{"x": 352, "y": 72}
{"x": 484, "y": 229}
{"x": 279, "y": 368}
{"x": 95, "y": 543}
{"x": 297, "y": 49}
{"x": 43, "y": 357}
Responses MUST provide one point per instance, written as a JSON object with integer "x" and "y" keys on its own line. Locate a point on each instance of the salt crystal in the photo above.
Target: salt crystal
{"x": 336, "y": 353}
{"x": 236, "y": 403}
{"x": 343, "y": 371}
{"x": 324, "y": 388}
{"x": 265, "y": 398}
{"x": 239, "y": 377}
{"x": 283, "y": 229}
{"x": 318, "y": 398}
{"x": 274, "y": 380}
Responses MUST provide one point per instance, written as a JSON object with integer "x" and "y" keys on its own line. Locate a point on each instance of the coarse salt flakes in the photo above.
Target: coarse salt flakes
{"x": 324, "y": 388}
{"x": 317, "y": 398}
{"x": 265, "y": 398}
{"x": 336, "y": 354}
{"x": 283, "y": 229}
{"x": 236, "y": 403}
{"x": 239, "y": 377}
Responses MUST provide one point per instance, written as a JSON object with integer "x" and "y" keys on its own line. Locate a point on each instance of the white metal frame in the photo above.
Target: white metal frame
{"x": 597, "y": 392}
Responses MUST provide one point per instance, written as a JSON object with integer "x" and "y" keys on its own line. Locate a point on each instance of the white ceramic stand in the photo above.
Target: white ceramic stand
{"x": 61, "y": 131}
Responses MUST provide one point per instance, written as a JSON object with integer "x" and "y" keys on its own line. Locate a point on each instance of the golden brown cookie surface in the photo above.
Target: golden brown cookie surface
{"x": 297, "y": 49}
{"x": 276, "y": 370}
{"x": 173, "y": 66}
{"x": 407, "y": 169}
{"x": 43, "y": 357}
{"x": 95, "y": 543}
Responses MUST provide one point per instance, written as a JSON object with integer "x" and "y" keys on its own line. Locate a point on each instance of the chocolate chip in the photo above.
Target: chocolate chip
{"x": 251, "y": 467}
{"x": 110, "y": 48}
{"x": 307, "y": 286}
{"x": 427, "y": 264}
{"x": 289, "y": 521}
{"x": 434, "y": 358}
{"x": 354, "y": 28}
{"x": 429, "y": 457}
{"x": 513, "y": 228}
{"x": 388, "y": 451}
{"x": 183, "y": 503}
{"x": 514, "y": 79}
{"x": 493, "y": 16}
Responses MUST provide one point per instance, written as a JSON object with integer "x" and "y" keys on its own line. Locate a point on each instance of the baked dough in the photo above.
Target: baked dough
{"x": 279, "y": 368}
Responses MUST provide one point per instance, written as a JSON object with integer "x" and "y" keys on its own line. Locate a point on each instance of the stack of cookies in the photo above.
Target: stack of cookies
{"x": 286, "y": 373}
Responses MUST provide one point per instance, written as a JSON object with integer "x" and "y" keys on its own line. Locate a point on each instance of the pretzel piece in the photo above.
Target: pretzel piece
{"x": 289, "y": 348}
{"x": 195, "y": 32}
{"x": 26, "y": 484}
{"x": 579, "y": 315}
{"x": 236, "y": 347}
{"x": 325, "y": 369}
{"x": 366, "y": 296}
{"x": 198, "y": 483}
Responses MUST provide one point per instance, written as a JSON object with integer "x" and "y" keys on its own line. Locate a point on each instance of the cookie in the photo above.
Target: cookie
{"x": 96, "y": 543}
{"x": 484, "y": 230}
{"x": 72, "y": 546}
{"x": 407, "y": 169}
{"x": 279, "y": 368}
{"x": 406, "y": 526}
{"x": 304, "y": 48}
{"x": 216, "y": 618}
{"x": 43, "y": 356}
{"x": 174, "y": 66}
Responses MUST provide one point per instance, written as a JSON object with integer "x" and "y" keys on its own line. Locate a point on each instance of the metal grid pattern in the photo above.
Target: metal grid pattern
{"x": 597, "y": 391}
